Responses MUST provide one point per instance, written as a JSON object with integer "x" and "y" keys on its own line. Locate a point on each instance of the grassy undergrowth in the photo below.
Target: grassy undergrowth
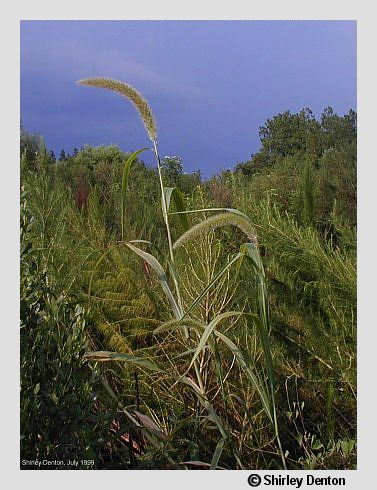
{"x": 215, "y": 329}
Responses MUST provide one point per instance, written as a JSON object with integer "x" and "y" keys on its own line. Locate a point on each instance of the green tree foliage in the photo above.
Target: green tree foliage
{"x": 308, "y": 166}
{"x": 174, "y": 175}
{"x": 30, "y": 147}
{"x": 300, "y": 134}
{"x": 62, "y": 156}
{"x": 339, "y": 131}
{"x": 90, "y": 156}
{"x": 172, "y": 169}
{"x": 289, "y": 134}
{"x": 34, "y": 155}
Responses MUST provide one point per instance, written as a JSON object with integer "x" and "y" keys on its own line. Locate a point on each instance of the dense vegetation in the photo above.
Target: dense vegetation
{"x": 83, "y": 291}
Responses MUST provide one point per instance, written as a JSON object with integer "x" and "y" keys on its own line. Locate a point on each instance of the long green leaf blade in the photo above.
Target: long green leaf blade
{"x": 216, "y": 221}
{"x": 208, "y": 330}
{"x": 125, "y": 179}
{"x": 217, "y": 454}
{"x": 170, "y": 325}
{"x": 206, "y": 404}
{"x": 249, "y": 373}
{"x": 205, "y": 210}
{"x": 252, "y": 254}
{"x": 105, "y": 356}
{"x": 179, "y": 201}
{"x": 157, "y": 267}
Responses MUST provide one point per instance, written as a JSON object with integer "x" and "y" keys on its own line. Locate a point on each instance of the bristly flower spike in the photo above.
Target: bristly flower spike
{"x": 133, "y": 95}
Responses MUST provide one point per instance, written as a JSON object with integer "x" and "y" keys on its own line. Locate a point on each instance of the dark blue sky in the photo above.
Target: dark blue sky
{"x": 211, "y": 84}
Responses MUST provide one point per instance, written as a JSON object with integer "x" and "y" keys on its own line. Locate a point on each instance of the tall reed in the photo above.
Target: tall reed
{"x": 198, "y": 337}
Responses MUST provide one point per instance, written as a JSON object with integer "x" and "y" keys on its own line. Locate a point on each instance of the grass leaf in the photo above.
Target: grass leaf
{"x": 179, "y": 201}
{"x": 125, "y": 179}
{"x": 105, "y": 356}
{"x": 266, "y": 402}
{"x": 208, "y": 330}
{"x": 217, "y": 454}
{"x": 157, "y": 267}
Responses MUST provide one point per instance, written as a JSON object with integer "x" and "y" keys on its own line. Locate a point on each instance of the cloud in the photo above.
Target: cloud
{"x": 119, "y": 65}
{"x": 75, "y": 61}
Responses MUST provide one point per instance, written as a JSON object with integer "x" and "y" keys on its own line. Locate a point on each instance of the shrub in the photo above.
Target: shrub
{"x": 57, "y": 388}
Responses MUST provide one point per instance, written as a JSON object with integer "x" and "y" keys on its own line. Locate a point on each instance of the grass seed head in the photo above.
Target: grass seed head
{"x": 133, "y": 95}
{"x": 221, "y": 219}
